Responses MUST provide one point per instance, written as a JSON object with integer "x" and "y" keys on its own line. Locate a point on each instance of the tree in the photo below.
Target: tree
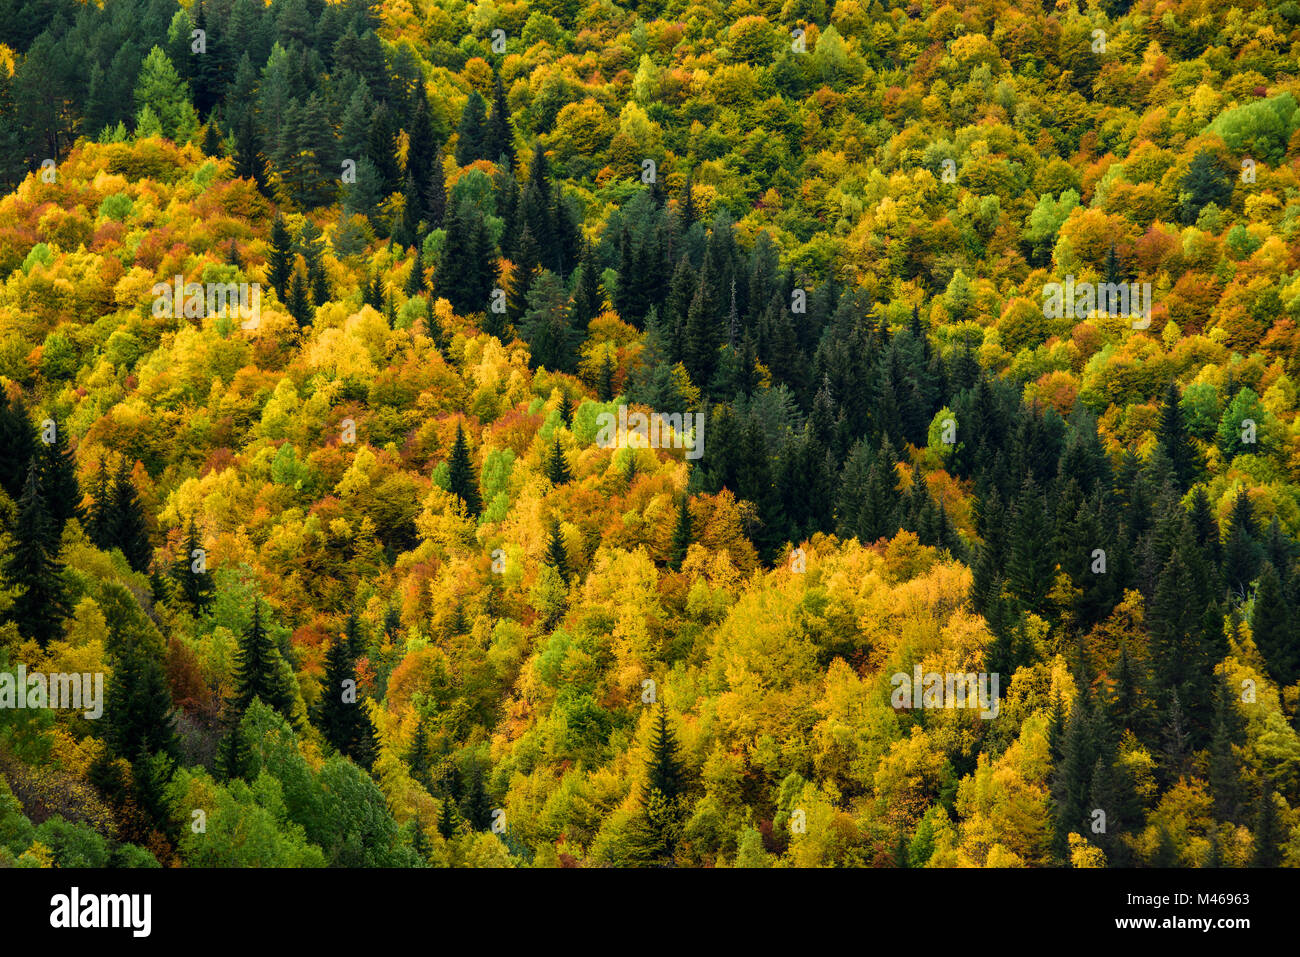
{"x": 33, "y": 569}
{"x": 1271, "y": 625}
{"x": 139, "y": 706}
{"x": 341, "y": 715}
{"x": 471, "y": 134}
{"x": 257, "y": 669}
{"x": 557, "y": 556}
{"x": 656, "y": 830}
{"x": 161, "y": 90}
{"x": 461, "y": 478}
{"x": 127, "y": 529}
{"x": 1173, "y": 438}
{"x": 557, "y": 468}
{"x": 19, "y": 442}
{"x": 499, "y": 136}
{"x": 190, "y": 572}
{"x": 1206, "y": 181}
{"x": 681, "y": 535}
{"x": 280, "y": 258}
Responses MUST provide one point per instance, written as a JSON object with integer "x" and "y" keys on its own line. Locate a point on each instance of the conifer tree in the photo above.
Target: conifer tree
{"x": 280, "y": 259}
{"x": 139, "y": 707}
{"x": 257, "y": 669}
{"x": 58, "y": 480}
{"x": 557, "y": 468}
{"x": 127, "y": 529}
{"x": 1272, "y": 626}
{"x": 195, "y": 585}
{"x": 681, "y": 535}
{"x": 471, "y": 134}
{"x": 32, "y": 567}
{"x": 461, "y": 478}
{"x": 499, "y": 135}
{"x": 1173, "y": 438}
{"x": 18, "y": 440}
{"x": 557, "y": 556}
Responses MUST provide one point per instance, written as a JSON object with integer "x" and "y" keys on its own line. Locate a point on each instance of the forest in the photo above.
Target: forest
{"x": 314, "y": 319}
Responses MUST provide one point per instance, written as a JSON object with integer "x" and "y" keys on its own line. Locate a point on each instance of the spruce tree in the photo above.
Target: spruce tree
{"x": 461, "y": 479}
{"x": 32, "y": 567}
{"x": 557, "y": 468}
{"x": 1174, "y": 439}
{"x": 257, "y": 669}
{"x": 127, "y": 528}
{"x": 58, "y": 480}
{"x": 1267, "y": 832}
{"x": 499, "y": 136}
{"x": 471, "y": 133}
{"x": 195, "y": 585}
{"x": 139, "y": 707}
{"x": 280, "y": 259}
{"x": 1272, "y": 626}
{"x": 557, "y": 556}
{"x": 18, "y": 440}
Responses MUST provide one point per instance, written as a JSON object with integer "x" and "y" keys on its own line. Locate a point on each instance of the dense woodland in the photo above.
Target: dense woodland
{"x": 825, "y": 226}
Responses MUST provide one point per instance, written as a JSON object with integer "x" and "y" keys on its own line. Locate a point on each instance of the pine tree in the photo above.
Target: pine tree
{"x": 418, "y": 759}
{"x": 681, "y": 535}
{"x": 280, "y": 258}
{"x": 461, "y": 479}
{"x": 666, "y": 773}
{"x": 234, "y": 755}
{"x": 32, "y": 567}
{"x": 257, "y": 669}
{"x": 605, "y": 381}
{"x": 415, "y": 281}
